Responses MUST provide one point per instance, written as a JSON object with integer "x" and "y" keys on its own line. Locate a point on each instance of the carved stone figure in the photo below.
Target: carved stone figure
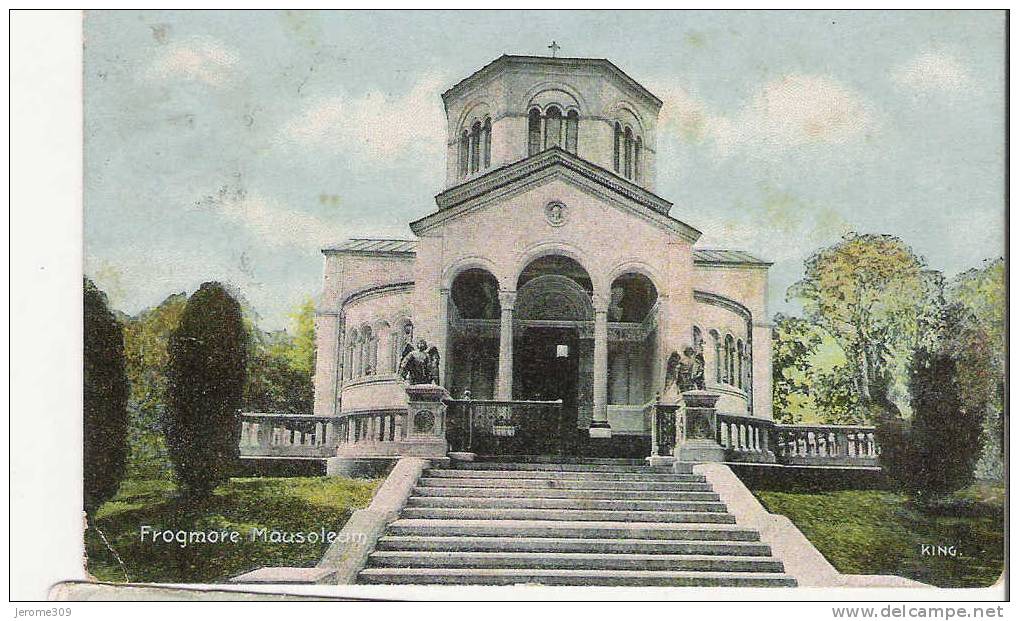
{"x": 697, "y": 368}
{"x": 421, "y": 365}
{"x": 682, "y": 373}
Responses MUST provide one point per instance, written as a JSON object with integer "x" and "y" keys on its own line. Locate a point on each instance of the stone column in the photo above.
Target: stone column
{"x": 600, "y": 417}
{"x": 504, "y": 381}
{"x": 442, "y": 330}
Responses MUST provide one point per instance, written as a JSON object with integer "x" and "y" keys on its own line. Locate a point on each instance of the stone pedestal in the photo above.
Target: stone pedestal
{"x": 426, "y": 420}
{"x": 660, "y": 460}
{"x": 699, "y": 443}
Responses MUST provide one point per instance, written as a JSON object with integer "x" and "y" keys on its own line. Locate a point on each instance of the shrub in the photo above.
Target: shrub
{"x": 205, "y": 390}
{"x": 104, "y": 400}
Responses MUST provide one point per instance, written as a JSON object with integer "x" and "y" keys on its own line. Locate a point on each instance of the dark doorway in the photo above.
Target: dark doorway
{"x": 545, "y": 368}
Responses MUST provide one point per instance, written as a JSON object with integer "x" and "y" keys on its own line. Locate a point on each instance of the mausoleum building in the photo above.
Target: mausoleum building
{"x": 550, "y": 269}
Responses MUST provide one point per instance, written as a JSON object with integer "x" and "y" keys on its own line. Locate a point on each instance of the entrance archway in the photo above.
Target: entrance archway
{"x": 552, "y": 349}
{"x": 473, "y": 331}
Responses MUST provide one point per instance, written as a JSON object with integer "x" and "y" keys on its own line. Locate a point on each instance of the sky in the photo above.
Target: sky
{"x": 234, "y": 145}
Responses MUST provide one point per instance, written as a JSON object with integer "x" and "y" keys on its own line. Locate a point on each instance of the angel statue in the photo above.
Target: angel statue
{"x": 421, "y": 365}
{"x": 682, "y": 373}
{"x": 671, "y": 392}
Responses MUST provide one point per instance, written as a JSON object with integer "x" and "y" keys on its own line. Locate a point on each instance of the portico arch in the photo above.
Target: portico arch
{"x": 558, "y": 248}
{"x": 472, "y": 342}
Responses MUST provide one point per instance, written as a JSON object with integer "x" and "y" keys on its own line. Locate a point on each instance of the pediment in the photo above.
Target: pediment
{"x": 555, "y": 163}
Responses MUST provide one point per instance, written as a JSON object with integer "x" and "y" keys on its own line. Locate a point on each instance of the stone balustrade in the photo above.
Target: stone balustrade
{"x": 746, "y": 439}
{"x": 287, "y": 435}
{"x": 817, "y": 445}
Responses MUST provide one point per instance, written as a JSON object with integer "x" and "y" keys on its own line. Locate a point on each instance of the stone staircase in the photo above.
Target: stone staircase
{"x": 588, "y": 522}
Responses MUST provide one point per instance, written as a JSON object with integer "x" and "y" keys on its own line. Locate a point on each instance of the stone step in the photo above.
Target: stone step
{"x": 559, "y": 475}
{"x": 570, "y": 529}
{"x": 557, "y": 460}
{"x": 583, "y": 577}
{"x": 554, "y": 467}
{"x": 564, "y": 503}
{"x": 537, "y": 492}
{"x": 556, "y": 544}
{"x": 574, "y": 560}
{"x": 662, "y": 486}
{"x": 580, "y": 515}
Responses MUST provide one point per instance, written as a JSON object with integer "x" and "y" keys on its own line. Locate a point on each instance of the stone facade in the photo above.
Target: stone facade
{"x": 535, "y": 243}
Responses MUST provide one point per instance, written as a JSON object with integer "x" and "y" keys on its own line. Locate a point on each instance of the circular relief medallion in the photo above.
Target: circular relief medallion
{"x": 555, "y": 213}
{"x": 424, "y": 421}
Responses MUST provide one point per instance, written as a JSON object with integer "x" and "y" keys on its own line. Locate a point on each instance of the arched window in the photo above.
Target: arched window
{"x": 486, "y": 144}
{"x": 698, "y": 339}
{"x": 617, "y": 140}
{"x": 533, "y": 131}
{"x": 638, "y": 145}
{"x": 355, "y": 356}
{"x": 716, "y": 343}
{"x": 730, "y": 354}
{"x": 739, "y": 363}
{"x": 475, "y": 146}
{"x": 572, "y": 123}
{"x": 364, "y": 365}
{"x": 553, "y": 127}
{"x": 628, "y": 156}
{"x": 464, "y": 147}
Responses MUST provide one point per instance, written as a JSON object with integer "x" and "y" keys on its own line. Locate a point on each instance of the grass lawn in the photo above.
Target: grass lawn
{"x": 283, "y": 504}
{"x": 880, "y": 532}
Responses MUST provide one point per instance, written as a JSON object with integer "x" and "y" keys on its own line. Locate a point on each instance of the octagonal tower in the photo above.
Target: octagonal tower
{"x": 518, "y": 106}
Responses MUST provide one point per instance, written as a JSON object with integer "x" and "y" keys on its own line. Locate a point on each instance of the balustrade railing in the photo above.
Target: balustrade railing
{"x": 818, "y": 445}
{"x": 287, "y": 435}
{"x": 361, "y": 427}
{"x": 745, "y": 438}
{"x": 757, "y": 440}
{"x": 489, "y": 426}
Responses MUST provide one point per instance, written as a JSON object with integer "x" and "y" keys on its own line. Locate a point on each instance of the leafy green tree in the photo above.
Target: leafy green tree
{"x": 281, "y": 366}
{"x": 935, "y": 453}
{"x": 835, "y": 396}
{"x": 794, "y": 340}
{"x": 207, "y": 363}
{"x": 982, "y": 368}
{"x": 302, "y": 349}
{"x": 146, "y": 338}
{"x": 105, "y": 400}
{"x": 874, "y": 296}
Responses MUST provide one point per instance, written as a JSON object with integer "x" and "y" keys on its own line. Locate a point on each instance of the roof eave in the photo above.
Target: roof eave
{"x": 517, "y": 171}
{"x": 517, "y": 58}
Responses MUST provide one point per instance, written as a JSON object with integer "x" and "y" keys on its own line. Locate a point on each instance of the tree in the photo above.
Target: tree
{"x": 794, "y": 340}
{"x": 281, "y": 366}
{"x": 982, "y": 370}
{"x": 146, "y": 341}
{"x": 207, "y": 357}
{"x": 874, "y": 296}
{"x": 302, "y": 350}
{"x": 835, "y": 396}
{"x": 105, "y": 401}
{"x": 935, "y": 453}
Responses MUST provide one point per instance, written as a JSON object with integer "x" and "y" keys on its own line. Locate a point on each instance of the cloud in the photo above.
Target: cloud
{"x": 778, "y": 226}
{"x": 275, "y": 224}
{"x": 793, "y": 111}
{"x": 932, "y": 71}
{"x": 373, "y": 125}
{"x": 198, "y": 60}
